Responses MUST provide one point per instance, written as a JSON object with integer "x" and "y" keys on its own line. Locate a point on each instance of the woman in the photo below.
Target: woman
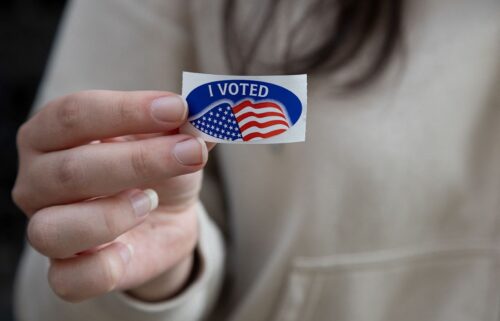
{"x": 389, "y": 211}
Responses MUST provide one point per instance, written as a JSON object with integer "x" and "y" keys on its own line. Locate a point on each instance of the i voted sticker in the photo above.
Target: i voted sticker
{"x": 246, "y": 109}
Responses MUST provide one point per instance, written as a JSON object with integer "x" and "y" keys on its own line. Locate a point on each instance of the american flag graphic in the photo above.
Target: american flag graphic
{"x": 246, "y": 121}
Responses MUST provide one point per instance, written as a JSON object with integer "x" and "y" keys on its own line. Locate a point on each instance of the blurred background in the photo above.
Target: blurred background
{"x": 27, "y": 31}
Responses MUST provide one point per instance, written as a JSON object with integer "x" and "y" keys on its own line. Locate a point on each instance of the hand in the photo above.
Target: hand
{"x": 90, "y": 164}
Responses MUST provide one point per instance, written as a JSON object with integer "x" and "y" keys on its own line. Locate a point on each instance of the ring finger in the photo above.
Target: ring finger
{"x": 64, "y": 230}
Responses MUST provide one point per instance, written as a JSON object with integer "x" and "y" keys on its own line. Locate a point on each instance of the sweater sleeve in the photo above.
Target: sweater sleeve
{"x": 121, "y": 45}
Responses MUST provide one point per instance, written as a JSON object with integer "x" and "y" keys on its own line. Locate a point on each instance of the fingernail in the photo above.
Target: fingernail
{"x": 144, "y": 202}
{"x": 190, "y": 152}
{"x": 125, "y": 252}
{"x": 153, "y": 198}
{"x": 169, "y": 108}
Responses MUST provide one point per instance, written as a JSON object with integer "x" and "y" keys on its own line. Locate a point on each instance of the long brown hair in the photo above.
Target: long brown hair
{"x": 345, "y": 28}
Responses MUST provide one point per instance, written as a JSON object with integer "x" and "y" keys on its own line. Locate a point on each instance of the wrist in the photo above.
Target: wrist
{"x": 168, "y": 284}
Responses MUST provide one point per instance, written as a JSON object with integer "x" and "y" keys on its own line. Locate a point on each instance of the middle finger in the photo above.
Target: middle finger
{"x": 103, "y": 169}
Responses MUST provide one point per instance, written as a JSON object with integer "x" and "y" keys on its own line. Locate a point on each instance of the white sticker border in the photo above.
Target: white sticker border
{"x": 297, "y": 84}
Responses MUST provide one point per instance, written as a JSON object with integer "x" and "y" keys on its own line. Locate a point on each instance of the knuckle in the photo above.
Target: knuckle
{"x": 40, "y": 233}
{"x": 110, "y": 225}
{"x": 122, "y": 110}
{"x": 69, "y": 113}
{"x": 22, "y": 135}
{"x": 141, "y": 163}
{"x": 184, "y": 190}
{"x": 70, "y": 173}
{"x": 19, "y": 196}
{"x": 111, "y": 272}
{"x": 61, "y": 288}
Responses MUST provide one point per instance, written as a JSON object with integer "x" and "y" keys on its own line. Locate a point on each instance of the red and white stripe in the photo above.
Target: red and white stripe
{"x": 260, "y": 120}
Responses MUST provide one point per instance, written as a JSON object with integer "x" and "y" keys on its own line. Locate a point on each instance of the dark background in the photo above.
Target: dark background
{"x": 27, "y": 29}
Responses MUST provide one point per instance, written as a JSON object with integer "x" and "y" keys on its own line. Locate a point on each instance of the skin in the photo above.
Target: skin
{"x": 84, "y": 158}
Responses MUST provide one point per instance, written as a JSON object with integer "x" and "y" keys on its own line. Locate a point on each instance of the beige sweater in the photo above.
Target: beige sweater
{"x": 390, "y": 211}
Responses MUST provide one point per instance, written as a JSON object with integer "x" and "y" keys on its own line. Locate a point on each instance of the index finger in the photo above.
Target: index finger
{"x": 98, "y": 114}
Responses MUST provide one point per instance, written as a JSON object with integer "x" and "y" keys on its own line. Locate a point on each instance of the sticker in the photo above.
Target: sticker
{"x": 246, "y": 109}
